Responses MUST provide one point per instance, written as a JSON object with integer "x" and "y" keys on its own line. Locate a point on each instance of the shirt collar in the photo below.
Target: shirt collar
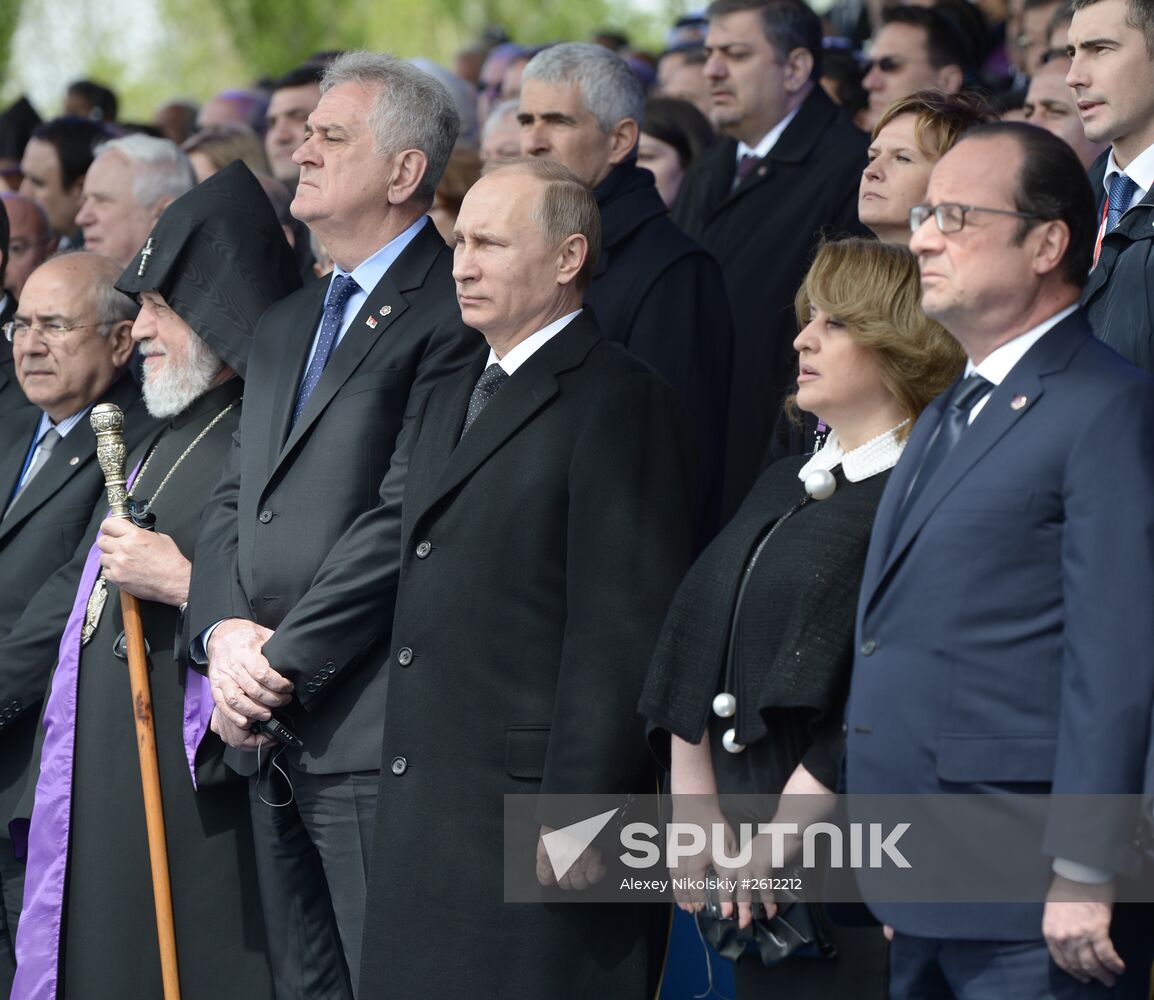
{"x": 876, "y": 455}
{"x": 515, "y": 357}
{"x": 63, "y": 427}
{"x": 769, "y": 140}
{"x": 370, "y": 271}
{"x": 1140, "y": 170}
{"x": 997, "y": 366}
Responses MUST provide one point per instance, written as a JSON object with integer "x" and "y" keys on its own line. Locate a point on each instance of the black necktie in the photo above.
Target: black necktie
{"x": 487, "y": 385}
{"x": 954, "y": 422}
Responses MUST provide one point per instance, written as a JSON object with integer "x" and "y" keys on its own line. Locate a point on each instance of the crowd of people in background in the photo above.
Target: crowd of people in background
{"x": 764, "y": 415}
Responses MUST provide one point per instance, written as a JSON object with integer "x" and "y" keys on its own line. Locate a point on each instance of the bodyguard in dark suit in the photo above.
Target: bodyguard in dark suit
{"x": 654, "y": 290}
{"x": 333, "y": 372}
{"x": 71, "y": 341}
{"x": 547, "y": 520}
{"x": 760, "y": 200}
{"x": 1003, "y": 626}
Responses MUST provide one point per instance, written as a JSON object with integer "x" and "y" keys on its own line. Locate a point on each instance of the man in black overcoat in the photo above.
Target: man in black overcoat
{"x": 548, "y": 518}
{"x": 760, "y": 200}
{"x": 654, "y": 290}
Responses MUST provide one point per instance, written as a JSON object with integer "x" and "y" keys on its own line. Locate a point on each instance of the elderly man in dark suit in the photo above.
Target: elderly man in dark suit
{"x": 760, "y": 200}
{"x": 547, "y": 520}
{"x": 333, "y": 372}
{"x": 71, "y": 342}
{"x": 1004, "y": 628}
{"x": 654, "y": 290}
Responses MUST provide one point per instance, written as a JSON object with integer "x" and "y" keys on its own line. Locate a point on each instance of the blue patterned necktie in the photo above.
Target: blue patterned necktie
{"x": 1118, "y": 199}
{"x": 492, "y": 378}
{"x": 954, "y": 422}
{"x": 342, "y": 287}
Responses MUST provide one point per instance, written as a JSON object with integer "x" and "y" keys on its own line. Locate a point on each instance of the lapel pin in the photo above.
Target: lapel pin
{"x": 385, "y": 310}
{"x": 74, "y": 460}
{"x": 371, "y": 322}
{"x": 1018, "y": 402}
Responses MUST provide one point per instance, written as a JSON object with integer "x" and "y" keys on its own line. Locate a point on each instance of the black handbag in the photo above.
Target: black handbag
{"x": 798, "y": 928}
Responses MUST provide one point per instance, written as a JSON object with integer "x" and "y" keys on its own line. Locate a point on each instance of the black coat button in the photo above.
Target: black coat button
{"x": 399, "y": 766}
{"x": 423, "y": 550}
{"x": 264, "y": 516}
{"x": 868, "y": 647}
{"x": 404, "y": 656}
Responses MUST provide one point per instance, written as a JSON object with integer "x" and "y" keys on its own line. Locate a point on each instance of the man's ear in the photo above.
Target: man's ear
{"x": 571, "y": 258}
{"x": 120, "y": 342}
{"x": 409, "y": 168}
{"x": 950, "y": 79}
{"x": 1052, "y": 238}
{"x": 622, "y": 139}
{"x": 798, "y": 67}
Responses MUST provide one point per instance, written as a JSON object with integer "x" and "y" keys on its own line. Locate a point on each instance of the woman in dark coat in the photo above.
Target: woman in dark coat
{"x": 746, "y": 690}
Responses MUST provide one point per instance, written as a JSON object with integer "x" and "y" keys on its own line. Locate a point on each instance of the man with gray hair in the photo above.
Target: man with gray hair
{"x": 654, "y": 289}
{"x": 131, "y": 181}
{"x": 334, "y": 371}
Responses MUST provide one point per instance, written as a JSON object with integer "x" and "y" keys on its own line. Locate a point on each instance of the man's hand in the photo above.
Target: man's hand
{"x": 1076, "y": 925}
{"x": 243, "y": 739}
{"x": 143, "y": 563}
{"x": 587, "y": 870}
{"x": 244, "y": 686}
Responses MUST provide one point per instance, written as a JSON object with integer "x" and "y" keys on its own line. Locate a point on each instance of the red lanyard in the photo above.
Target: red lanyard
{"x": 1101, "y": 232}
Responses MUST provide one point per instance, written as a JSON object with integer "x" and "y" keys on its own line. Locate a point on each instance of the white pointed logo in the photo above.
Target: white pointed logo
{"x": 564, "y": 846}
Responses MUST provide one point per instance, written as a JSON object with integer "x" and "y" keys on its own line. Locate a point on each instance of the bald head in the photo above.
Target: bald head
{"x": 30, "y": 239}
{"x": 71, "y": 333}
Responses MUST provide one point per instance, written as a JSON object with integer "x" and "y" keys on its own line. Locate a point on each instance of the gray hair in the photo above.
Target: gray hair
{"x": 506, "y": 109}
{"x": 161, "y": 169}
{"x": 411, "y": 110}
{"x": 608, "y": 87}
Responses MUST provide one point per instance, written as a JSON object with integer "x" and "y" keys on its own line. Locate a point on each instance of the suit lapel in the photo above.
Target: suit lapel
{"x": 290, "y": 371}
{"x": 18, "y": 430}
{"x": 1017, "y": 396}
{"x": 529, "y": 389}
{"x": 385, "y": 305}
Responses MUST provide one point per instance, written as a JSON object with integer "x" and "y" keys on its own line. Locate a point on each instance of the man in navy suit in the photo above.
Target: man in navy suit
{"x": 1004, "y": 629}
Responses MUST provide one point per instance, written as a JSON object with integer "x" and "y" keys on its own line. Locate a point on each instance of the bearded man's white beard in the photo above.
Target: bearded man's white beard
{"x": 177, "y": 385}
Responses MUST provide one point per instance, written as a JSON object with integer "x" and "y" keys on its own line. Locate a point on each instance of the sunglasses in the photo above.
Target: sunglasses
{"x": 887, "y": 64}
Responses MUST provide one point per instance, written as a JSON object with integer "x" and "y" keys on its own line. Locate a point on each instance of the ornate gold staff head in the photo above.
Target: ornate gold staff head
{"x": 107, "y": 421}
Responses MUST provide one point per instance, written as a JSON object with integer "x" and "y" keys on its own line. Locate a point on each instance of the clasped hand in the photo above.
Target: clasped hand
{"x": 244, "y": 685}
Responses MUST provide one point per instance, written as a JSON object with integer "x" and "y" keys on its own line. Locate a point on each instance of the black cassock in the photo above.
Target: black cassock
{"x": 109, "y": 943}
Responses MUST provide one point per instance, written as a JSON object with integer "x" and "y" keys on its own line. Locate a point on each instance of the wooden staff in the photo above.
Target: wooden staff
{"x": 108, "y": 424}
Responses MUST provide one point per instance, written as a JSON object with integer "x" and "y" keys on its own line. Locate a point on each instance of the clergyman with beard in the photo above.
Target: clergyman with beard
{"x": 215, "y": 261}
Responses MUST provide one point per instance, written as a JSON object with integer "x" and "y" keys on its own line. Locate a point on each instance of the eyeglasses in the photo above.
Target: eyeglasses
{"x": 951, "y": 218}
{"x": 887, "y": 64}
{"x": 52, "y": 333}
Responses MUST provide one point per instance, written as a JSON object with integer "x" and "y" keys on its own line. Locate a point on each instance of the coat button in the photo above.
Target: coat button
{"x": 868, "y": 647}
{"x": 404, "y": 656}
{"x": 423, "y": 550}
{"x": 264, "y": 516}
{"x": 311, "y": 686}
{"x": 399, "y": 766}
